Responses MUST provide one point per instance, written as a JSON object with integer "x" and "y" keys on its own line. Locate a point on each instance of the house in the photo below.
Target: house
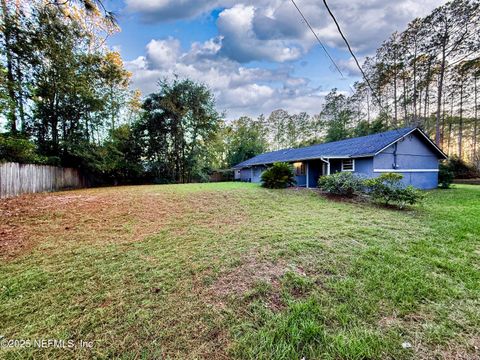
{"x": 407, "y": 151}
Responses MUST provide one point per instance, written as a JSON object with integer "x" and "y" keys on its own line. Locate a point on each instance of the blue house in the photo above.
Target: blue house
{"x": 407, "y": 151}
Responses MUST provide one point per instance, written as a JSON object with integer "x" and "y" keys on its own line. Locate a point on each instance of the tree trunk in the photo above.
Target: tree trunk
{"x": 395, "y": 90}
{"x": 427, "y": 92}
{"x": 368, "y": 108}
{"x": 442, "y": 131}
{"x": 460, "y": 123}
{"x": 440, "y": 90}
{"x": 415, "y": 82}
{"x": 12, "y": 115}
{"x": 450, "y": 125}
{"x": 405, "y": 99}
{"x": 475, "y": 120}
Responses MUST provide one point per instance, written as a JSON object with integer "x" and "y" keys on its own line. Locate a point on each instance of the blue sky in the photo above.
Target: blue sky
{"x": 256, "y": 56}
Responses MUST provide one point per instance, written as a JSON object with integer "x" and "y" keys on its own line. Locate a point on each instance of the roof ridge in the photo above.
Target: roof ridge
{"x": 352, "y": 147}
{"x": 339, "y": 141}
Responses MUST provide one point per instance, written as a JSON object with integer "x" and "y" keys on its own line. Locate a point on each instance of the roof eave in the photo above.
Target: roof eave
{"x": 445, "y": 156}
{"x": 316, "y": 157}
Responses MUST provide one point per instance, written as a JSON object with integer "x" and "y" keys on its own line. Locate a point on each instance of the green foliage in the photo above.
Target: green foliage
{"x": 122, "y": 156}
{"x": 337, "y": 116}
{"x": 341, "y": 183}
{"x": 178, "y": 125}
{"x": 116, "y": 161}
{"x": 278, "y": 176}
{"x": 245, "y": 138}
{"x": 460, "y": 169}
{"x": 389, "y": 189}
{"x": 17, "y": 149}
{"x": 364, "y": 127}
{"x": 445, "y": 176}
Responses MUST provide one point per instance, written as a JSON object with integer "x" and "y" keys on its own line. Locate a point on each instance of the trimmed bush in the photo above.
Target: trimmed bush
{"x": 389, "y": 189}
{"x": 341, "y": 183}
{"x": 445, "y": 176}
{"x": 278, "y": 176}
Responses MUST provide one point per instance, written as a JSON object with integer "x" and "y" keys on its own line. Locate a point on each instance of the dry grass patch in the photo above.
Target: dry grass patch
{"x": 233, "y": 270}
{"x": 103, "y": 216}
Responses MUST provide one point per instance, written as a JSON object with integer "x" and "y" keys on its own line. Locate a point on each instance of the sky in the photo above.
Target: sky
{"x": 256, "y": 56}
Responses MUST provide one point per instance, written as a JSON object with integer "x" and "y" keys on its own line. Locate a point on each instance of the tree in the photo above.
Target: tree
{"x": 121, "y": 154}
{"x": 451, "y": 25}
{"x": 337, "y": 116}
{"x": 415, "y": 77}
{"x": 116, "y": 80}
{"x": 245, "y": 139}
{"x": 17, "y": 54}
{"x": 66, "y": 84}
{"x": 277, "y": 124}
{"x": 178, "y": 124}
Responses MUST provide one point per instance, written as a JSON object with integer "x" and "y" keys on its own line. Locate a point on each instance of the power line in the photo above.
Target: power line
{"x": 318, "y": 39}
{"x": 351, "y": 52}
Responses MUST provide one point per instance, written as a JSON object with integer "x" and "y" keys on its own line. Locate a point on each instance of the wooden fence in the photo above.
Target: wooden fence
{"x": 16, "y": 179}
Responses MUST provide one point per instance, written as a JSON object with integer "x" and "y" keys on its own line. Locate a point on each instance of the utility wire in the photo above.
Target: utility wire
{"x": 351, "y": 52}
{"x": 316, "y": 36}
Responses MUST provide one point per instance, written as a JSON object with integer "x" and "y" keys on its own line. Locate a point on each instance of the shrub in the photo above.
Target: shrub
{"x": 278, "y": 176}
{"x": 445, "y": 176}
{"x": 18, "y": 149}
{"x": 460, "y": 169}
{"x": 388, "y": 188}
{"x": 341, "y": 183}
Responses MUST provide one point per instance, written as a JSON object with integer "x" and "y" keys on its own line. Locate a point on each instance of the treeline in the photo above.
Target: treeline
{"x": 428, "y": 75}
{"x": 65, "y": 100}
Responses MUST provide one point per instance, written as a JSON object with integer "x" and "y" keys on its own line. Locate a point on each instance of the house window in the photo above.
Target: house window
{"x": 348, "y": 165}
{"x": 299, "y": 168}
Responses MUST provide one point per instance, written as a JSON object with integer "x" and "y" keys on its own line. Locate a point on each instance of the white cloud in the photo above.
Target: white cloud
{"x": 349, "y": 67}
{"x": 269, "y": 30}
{"x": 255, "y": 28}
{"x": 240, "y": 41}
{"x": 163, "y": 54}
{"x": 238, "y": 89}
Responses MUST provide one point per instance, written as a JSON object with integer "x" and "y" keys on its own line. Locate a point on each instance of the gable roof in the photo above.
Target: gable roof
{"x": 364, "y": 146}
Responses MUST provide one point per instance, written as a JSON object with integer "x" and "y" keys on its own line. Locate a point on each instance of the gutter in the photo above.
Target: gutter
{"x": 327, "y": 160}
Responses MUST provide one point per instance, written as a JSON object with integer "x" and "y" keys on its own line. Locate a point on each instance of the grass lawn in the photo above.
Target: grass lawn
{"x": 232, "y": 270}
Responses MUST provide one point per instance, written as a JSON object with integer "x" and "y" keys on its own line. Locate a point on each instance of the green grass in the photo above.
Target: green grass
{"x": 233, "y": 270}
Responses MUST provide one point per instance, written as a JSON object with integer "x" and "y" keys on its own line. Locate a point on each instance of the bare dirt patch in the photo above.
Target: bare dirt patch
{"x": 469, "y": 350}
{"x": 239, "y": 282}
{"x": 106, "y": 216}
{"x": 91, "y": 216}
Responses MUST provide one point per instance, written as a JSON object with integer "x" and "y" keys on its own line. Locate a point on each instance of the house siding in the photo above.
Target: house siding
{"x": 301, "y": 180}
{"x": 252, "y": 174}
{"x": 245, "y": 174}
{"x": 364, "y": 166}
{"x": 411, "y": 154}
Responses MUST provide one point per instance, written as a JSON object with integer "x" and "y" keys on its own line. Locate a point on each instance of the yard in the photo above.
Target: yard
{"x": 232, "y": 270}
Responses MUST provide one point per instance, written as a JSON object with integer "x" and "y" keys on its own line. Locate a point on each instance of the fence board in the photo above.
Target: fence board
{"x": 17, "y": 179}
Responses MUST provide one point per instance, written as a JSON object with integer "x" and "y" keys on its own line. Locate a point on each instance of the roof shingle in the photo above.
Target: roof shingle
{"x": 355, "y": 147}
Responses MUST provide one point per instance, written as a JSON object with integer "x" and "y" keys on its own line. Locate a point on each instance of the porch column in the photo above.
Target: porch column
{"x": 308, "y": 183}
